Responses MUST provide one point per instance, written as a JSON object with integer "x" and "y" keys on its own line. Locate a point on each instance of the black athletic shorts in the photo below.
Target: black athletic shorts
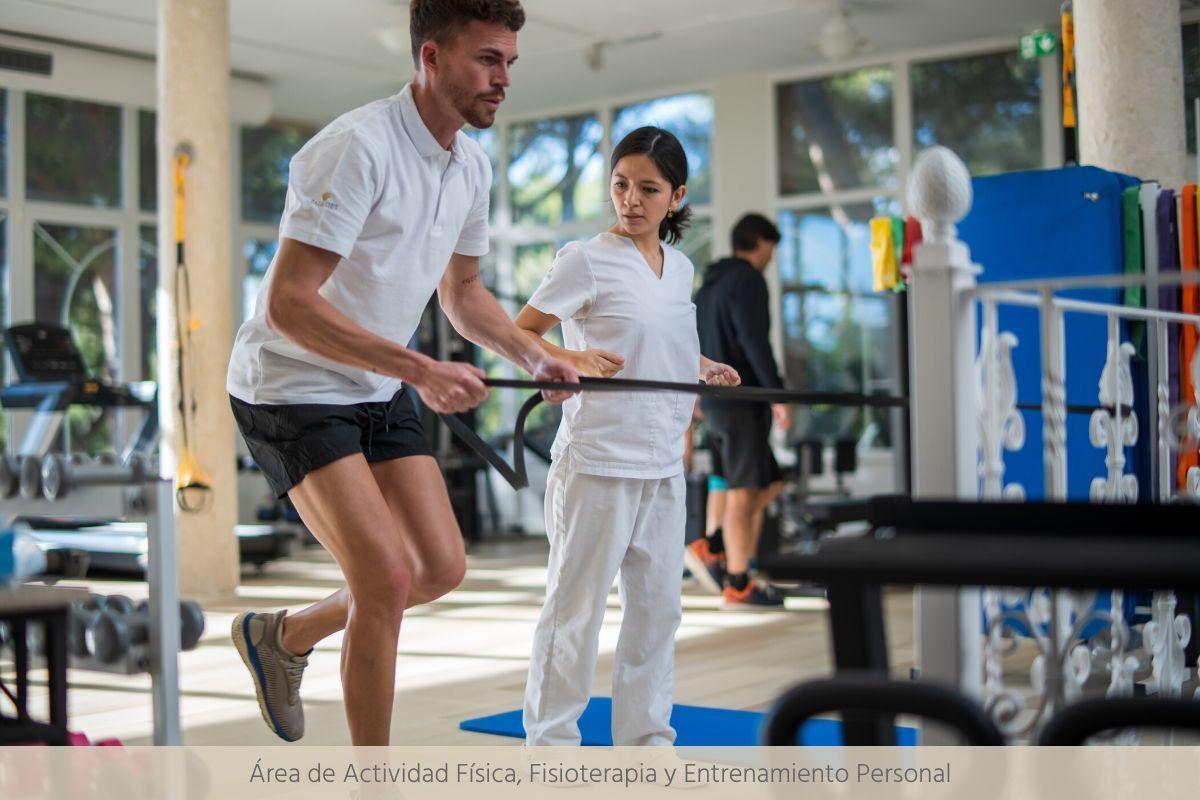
{"x": 739, "y": 435}
{"x": 290, "y": 441}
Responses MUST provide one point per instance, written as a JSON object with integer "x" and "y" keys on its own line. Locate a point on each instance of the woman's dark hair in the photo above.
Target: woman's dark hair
{"x": 441, "y": 20}
{"x": 666, "y": 152}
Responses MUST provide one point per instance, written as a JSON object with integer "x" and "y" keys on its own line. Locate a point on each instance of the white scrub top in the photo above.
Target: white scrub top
{"x": 608, "y": 298}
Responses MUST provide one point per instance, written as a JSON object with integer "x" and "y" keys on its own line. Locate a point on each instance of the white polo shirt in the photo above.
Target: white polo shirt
{"x": 376, "y": 188}
{"x": 608, "y": 298}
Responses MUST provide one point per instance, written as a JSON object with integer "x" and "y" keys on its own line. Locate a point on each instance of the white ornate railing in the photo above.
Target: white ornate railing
{"x": 965, "y": 459}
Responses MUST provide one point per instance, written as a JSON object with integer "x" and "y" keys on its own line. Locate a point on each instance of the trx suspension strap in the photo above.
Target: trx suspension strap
{"x": 193, "y": 489}
{"x": 1070, "y": 141}
{"x": 516, "y": 474}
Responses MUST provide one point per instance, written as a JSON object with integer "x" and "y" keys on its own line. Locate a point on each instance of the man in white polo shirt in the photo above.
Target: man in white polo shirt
{"x": 385, "y": 205}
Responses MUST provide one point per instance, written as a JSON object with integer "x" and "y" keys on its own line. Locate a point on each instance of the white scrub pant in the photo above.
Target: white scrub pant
{"x": 597, "y": 526}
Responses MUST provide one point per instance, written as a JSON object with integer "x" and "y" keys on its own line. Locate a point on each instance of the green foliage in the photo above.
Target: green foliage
{"x": 836, "y": 132}
{"x": 555, "y": 173}
{"x": 986, "y": 108}
{"x": 73, "y": 151}
{"x": 266, "y": 153}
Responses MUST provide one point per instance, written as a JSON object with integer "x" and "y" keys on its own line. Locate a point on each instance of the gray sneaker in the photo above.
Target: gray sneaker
{"x": 276, "y": 672}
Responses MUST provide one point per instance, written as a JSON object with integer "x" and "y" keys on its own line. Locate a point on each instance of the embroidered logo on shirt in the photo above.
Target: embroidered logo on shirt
{"x": 325, "y": 202}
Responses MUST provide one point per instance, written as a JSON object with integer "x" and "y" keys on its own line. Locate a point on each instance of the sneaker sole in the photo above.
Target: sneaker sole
{"x": 700, "y": 571}
{"x": 243, "y": 647}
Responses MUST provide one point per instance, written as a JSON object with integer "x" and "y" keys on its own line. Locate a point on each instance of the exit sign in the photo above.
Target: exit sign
{"x": 1036, "y": 45}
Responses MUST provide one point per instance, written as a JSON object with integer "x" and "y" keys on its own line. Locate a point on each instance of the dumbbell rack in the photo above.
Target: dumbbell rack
{"x": 152, "y": 501}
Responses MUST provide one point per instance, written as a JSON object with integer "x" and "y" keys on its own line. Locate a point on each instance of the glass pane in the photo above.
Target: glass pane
{"x": 829, "y": 247}
{"x": 1191, "y": 80}
{"x": 72, "y": 151}
{"x": 697, "y": 245}
{"x": 3, "y": 142}
{"x": 533, "y": 262}
{"x": 147, "y": 160}
{"x": 987, "y": 109}
{"x": 4, "y": 317}
{"x": 838, "y": 342}
{"x": 75, "y": 286}
{"x": 690, "y": 118}
{"x": 258, "y": 254}
{"x": 490, "y": 143}
{"x": 556, "y": 170}
{"x": 148, "y": 293}
{"x": 266, "y": 152}
{"x": 836, "y": 133}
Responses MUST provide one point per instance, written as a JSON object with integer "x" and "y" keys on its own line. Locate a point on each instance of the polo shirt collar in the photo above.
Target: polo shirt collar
{"x": 417, "y": 131}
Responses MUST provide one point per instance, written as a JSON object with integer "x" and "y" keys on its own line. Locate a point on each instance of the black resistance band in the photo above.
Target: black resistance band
{"x": 516, "y": 474}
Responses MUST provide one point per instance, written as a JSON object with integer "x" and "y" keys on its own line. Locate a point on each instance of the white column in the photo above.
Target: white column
{"x": 945, "y": 440}
{"x": 193, "y": 108}
{"x": 1130, "y": 87}
{"x": 743, "y": 179}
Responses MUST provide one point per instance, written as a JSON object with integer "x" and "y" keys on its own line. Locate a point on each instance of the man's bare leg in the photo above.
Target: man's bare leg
{"x": 738, "y": 528}
{"x": 714, "y": 512}
{"x": 344, "y": 508}
{"x": 765, "y": 498}
{"x": 430, "y": 536}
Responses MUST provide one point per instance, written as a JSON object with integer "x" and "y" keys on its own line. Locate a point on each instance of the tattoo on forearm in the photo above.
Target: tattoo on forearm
{"x": 470, "y": 280}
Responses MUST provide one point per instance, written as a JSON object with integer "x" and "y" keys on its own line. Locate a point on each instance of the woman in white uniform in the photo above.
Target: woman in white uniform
{"x": 615, "y": 492}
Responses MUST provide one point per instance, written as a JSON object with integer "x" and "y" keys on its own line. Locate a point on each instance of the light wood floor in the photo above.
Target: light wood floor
{"x": 463, "y": 656}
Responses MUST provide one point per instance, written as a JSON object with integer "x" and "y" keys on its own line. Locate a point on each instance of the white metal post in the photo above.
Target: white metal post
{"x": 945, "y": 437}
{"x": 162, "y": 574}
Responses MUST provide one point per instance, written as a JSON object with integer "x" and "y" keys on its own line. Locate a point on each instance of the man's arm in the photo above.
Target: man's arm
{"x": 477, "y": 316}
{"x": 752, "y": 319}
{"x": 297, "y": 311}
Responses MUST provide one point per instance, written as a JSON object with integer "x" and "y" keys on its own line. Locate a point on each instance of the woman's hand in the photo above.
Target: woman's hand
{"x": 716, "y": 374}
{"x": 598, "y": 363}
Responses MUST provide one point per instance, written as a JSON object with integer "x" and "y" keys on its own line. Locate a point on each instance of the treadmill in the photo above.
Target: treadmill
{"x": 51, "y": 376}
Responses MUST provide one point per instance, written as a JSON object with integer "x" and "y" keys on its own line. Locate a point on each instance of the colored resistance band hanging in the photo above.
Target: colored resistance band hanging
{"x": 516, "y": 474}
{"x": 193, "y": 490}
{"x": 1070, "y": 141}
{"x": 884, "y": 269}
{"x": 1189, "y": 304}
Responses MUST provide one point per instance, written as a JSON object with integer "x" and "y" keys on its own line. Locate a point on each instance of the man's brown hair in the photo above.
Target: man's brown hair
{"x": 441, "y": 20}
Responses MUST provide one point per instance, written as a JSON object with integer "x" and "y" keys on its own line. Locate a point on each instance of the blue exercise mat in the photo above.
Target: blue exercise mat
{"x": 695, "y": 726}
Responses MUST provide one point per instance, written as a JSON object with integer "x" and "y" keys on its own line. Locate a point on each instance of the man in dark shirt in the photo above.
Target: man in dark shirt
{"x": 734, "y": 318}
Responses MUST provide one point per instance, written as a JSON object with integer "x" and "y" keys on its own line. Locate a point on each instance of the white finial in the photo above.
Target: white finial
{"x": 939, "y": 193}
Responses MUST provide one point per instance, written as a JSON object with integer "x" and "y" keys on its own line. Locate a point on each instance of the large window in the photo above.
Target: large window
{"x": 836, "y": 133}
{"x": 75, "y": 285}
{"x": 838, "y": 167}
{"x": 985, "y": 108}
{"x": 73, "y": 151}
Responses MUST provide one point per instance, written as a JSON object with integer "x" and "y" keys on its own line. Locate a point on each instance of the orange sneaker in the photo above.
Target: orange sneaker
{"x": 752, "y": 598}
{"x": 707, "y": 567}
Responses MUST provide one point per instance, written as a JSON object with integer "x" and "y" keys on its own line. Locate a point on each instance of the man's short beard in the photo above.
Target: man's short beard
{"x": 464, "y": 103}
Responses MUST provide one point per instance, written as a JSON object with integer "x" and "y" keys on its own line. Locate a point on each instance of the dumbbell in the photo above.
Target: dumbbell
{"x": 10, "y": 477}
{"x": 84, "y": 615}
{"x": 111, "y": 635}
{"x": 59, "y": 476}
